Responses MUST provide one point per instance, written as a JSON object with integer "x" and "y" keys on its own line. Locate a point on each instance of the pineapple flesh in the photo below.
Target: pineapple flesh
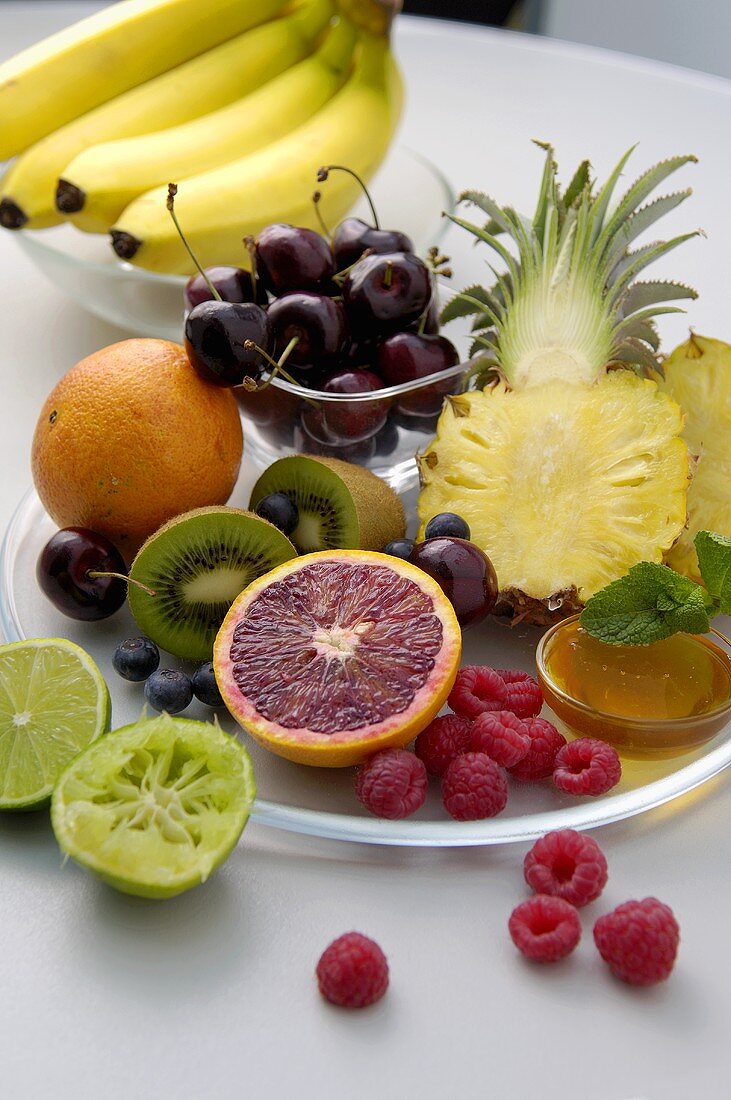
{"x": 568, "y": 463}
{"x": 698, "y": 376}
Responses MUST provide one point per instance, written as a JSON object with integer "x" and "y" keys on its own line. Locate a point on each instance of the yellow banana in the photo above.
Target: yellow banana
{"x": 215, "y": 78}
{"x": 107, "y": 53}
{"x": 217, "y": 208}
{"x": 105, "y": 179}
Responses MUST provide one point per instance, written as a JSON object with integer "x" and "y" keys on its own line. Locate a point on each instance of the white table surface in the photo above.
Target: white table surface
{"x": 212, "y": 994}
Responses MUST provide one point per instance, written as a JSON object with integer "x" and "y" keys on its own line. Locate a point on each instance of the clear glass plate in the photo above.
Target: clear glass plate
{"x": 409, "y": 192}
{"x": 321, "y": 802}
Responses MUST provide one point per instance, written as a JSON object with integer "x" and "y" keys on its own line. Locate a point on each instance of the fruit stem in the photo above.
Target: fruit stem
{"x": 94, "y": 573}
{"x": 316, "y": 196}
{"x": 250, "y": 245}
{"x": 388, "y": 275}
{"x": 322, "y": 174}
{"x": 340, "y": 276}
{"x": 277, "y": 365}
{"x": 172, "y": 192}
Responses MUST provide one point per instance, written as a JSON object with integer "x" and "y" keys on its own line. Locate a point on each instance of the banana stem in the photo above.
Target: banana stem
{"x": 172, "y": 192}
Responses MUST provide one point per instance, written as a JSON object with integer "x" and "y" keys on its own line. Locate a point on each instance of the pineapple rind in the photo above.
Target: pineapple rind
{"x": 698, "y": 376}
{"x": 564, "y": 486}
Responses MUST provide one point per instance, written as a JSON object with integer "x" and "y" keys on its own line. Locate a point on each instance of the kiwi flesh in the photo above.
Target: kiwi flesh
{"x": 341, "y": 506}
{"x": 197, "y": 564}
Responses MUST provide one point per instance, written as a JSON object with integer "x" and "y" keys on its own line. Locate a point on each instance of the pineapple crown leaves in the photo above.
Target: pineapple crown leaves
{"x": 651, "y": 602}
{"x": 567, "y": 303}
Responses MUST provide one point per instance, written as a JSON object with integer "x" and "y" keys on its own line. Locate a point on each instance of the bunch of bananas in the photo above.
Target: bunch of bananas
{"x": 238, "y": 101}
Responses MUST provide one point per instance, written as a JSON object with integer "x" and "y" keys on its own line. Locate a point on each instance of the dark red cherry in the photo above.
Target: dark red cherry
{"x": 465, "y": 574}
{"x": 215, "y": 337}
{"x": 63, "y": 574}
{"x": 383, "y": 294}
{"x": 360, "y": 453}
{"x": 318, "y": 323}
{"x": 352, "y": 421}
{"x": 292, "y": 258}
{"x": 408, "y": 357}
{"x": 232, "y": 283}
{"x": 353, "y": 236}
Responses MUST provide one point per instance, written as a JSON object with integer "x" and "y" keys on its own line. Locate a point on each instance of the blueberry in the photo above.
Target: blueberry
{"x": 279, "y": 510}
{"x": 169, "y": 690}
{"x": 136, "y": 658}
{"x": 205, "y": 687}
{"x": 447, "y": 525}
{"x": 400, "y": 548}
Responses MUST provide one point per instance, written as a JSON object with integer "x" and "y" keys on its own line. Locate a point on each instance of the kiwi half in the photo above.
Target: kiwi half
{"x": 341, "y": 506}
{"x": 197, "y": 564}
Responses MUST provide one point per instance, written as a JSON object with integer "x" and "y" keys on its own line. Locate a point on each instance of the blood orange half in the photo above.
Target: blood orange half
{"x": 332, "y": 656}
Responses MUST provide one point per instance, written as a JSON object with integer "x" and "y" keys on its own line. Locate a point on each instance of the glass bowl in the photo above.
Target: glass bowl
{"x": 640, "y": 738}
{"x": 409, "y": 191}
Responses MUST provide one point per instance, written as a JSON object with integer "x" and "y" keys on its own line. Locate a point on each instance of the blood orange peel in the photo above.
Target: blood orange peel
{"x": 332, "y": 656}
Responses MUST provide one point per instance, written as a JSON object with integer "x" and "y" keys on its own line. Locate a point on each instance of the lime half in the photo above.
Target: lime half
{"x": 53, "y": 703}
{"x": 155, "y": 807}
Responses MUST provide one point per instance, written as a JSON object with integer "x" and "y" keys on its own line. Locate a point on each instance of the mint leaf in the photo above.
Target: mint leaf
{"x": 714, "y": 562}
{"x": 650, "y": 603}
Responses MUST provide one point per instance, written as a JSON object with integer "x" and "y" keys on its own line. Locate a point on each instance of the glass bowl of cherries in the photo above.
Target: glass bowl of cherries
{"x": 331, "y": 342}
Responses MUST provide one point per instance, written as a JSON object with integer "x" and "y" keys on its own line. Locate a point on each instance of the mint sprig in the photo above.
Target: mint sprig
{"x": 652, "y": 602}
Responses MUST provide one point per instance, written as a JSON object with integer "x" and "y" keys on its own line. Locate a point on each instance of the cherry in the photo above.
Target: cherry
{"x": 232, "y": 283}
{"x": 353, "y": 236}
{"x": 216, "y": 334}
{"x": 428, "y": 325}
{"x": 317, "y": 322}
{"x": 359, "y": 355}
{"x": 384, "y": 293}
{"x": 464, "y": 573}
{"x": 67, "y": 571}
{"x": 306, "y": 442}
{"x": 292, "y": 258}
{"x": 352, "y": 421}
{"x": 408, "y": 356}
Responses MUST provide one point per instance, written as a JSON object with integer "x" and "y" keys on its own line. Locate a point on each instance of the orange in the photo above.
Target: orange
{"x": 332, "y": 656}
{"x": 132, "y": 436}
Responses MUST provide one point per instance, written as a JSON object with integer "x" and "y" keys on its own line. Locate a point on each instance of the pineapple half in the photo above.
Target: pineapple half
{"x": 698, "y": 376}
{"x": 569, "y": 464}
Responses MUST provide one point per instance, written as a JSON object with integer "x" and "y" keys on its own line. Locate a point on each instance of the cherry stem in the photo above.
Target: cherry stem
{"x": 172, "y": 192}
{"x": 94, "y": 573}
{"x": 250, "y": 245}
{"x": 388, "y": 275}
{"x": 423, "y": 319}
{"x": 322, "y": 174}
{"x": 316, "y": 196}
{"x": 277, "y": 365}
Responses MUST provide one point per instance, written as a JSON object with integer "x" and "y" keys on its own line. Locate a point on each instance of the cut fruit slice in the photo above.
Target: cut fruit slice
{"x": 53, "y": 703}
{"x": 698, "y": 376}
{"x": 341, "y": 506}
{"x": 564, "y": 487}
{"x": 196, "y": 565}
{"x": 335, "y": 655}
{"x": 155, "y": 807}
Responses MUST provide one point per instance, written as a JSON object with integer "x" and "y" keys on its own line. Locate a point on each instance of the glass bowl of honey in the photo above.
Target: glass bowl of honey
{"x": 648, "y": 701}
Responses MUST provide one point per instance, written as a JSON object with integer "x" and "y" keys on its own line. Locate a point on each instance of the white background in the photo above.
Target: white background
{"x": 212, "y": 994}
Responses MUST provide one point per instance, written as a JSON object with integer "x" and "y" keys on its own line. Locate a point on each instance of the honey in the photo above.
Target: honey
{"x": 668, "y": 697}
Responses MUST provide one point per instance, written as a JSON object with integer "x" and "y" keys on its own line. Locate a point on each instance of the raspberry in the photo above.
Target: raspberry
{"x": 352, "y": 971}
{"x": 443, "y": 740}
{"x": 568, "y": 865}
{"x": 545, "y": 929}
{"x": 501, "y": 736}
{"x": 639, "y": 941}
{"x": 523, "y": 692}
{"x": 474, "y": 787}
{"x": 476, "y": 690}
{"x": 392, "y": 783}
{"x": 540, "y": 760}
{"x": 587, "y": 766}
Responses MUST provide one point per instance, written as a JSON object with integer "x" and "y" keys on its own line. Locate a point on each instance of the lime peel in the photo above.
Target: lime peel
{"x": 157, "y": 806}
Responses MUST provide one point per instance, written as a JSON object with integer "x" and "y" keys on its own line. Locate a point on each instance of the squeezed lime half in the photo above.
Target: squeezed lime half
{"x": 53, "y": 703}
{"x": 154, "y": 808}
